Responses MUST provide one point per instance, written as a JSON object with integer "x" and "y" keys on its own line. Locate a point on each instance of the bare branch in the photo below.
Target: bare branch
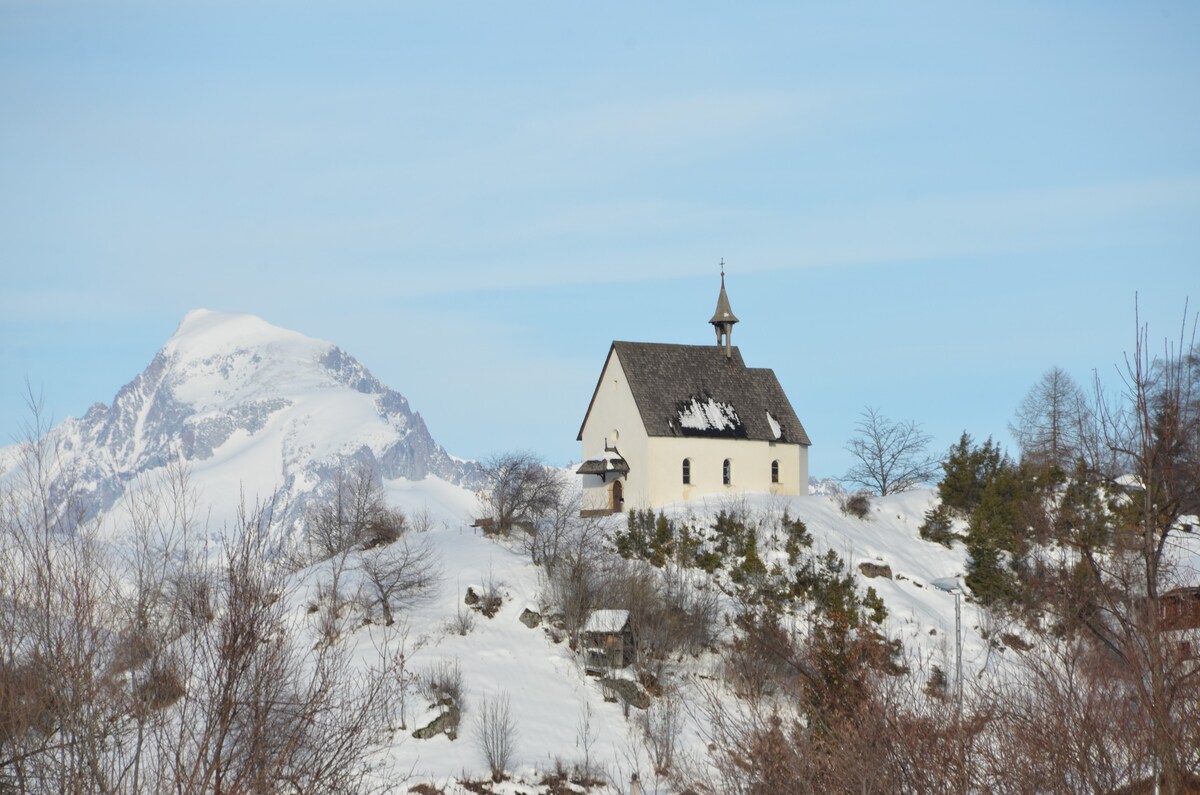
{"x": 892, "y": 456}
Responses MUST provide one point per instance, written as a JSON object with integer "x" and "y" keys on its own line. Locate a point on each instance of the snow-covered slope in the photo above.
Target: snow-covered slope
{"x": 549, "y": 691}
{"x": 255, "y": 410}
{"x": 885, "y": 551}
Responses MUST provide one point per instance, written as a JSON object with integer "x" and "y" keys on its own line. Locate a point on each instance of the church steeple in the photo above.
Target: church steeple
{"x": 723, "y": 319}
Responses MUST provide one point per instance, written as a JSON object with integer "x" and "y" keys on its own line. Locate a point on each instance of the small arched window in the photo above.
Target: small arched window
{"x": 774, "y": 471}
{"x": 726, "y": 473}
{"x": 687, "y": 471}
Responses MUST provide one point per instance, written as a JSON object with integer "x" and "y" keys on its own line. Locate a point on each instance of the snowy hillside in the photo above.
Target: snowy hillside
{"x": 251, "y": 410}
{"x": 255, "y": 410}
{"x": 545, "y": 680}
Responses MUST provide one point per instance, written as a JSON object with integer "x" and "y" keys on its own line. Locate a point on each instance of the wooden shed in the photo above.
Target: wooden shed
{"x": 1179, "y": 609}
{"x": 606, "y": 641}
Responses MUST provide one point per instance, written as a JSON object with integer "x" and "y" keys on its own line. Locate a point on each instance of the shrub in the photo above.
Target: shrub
{"x": 937, "y": 526}
{"x": 463, "y": 621}
{"x": 857, "y": 505}
{"x": 496, "y": 734}
{"x": 874, "y": 604}
{"x": 490, "y": 597}
{"x": 797, "y": 536}
{"x": 938, "y": 685}
{"x": 160, "y": 686}
{"x": 442, "y": 684}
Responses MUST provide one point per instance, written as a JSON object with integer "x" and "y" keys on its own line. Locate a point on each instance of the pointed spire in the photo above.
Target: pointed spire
{"x": 723, "y": 318}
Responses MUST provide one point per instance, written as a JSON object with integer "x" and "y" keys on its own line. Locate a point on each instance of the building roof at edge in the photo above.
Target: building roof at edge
{"x": 671, "y": 383}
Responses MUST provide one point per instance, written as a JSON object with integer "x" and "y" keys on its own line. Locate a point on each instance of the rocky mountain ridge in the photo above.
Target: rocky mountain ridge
{"x": 244, "y": 402}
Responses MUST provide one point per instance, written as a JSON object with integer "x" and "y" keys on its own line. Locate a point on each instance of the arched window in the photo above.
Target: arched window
{"x": 774, "y": 471}
{"x": 687, "y": 471}
{"x": 726, "y": 473}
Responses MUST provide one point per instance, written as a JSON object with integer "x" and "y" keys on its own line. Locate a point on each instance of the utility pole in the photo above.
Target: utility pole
{"x": 950, "y": 585}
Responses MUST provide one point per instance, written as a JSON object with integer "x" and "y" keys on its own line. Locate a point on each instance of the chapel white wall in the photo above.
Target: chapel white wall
{"x": 614, "y": 409}
{"x": 750, "y": 465}
{"x": 656, "y": 463}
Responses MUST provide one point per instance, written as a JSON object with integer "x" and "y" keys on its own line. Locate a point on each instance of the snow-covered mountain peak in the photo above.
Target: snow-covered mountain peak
{"x": 217, "y": 358}
{"x": 204, "y": 333}
{"x": 257, "y": 410}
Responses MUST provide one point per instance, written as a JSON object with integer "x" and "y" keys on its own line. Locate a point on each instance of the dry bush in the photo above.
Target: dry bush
{"x": 577, "y": 582}
{"x": 757, "y": 663}
{"x": 442, "y": 684}
{"x": 158, "y": 687}
{"x": 520, "y": 490}
{"x": 857, "y": 504}
{"x": 895, "y": 740}
{"x": 348, "y": 512}
{"x": 496, "y": 734}
{"x": 261, "y": 704}
{"x": 191, "y": 676}
{"x": 463, "y": 621}
{"x": 661, "y": 726}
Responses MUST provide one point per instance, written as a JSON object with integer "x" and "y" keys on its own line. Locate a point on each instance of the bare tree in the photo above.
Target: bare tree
{"x": 1050, "y": 421}
{"x": 496, "y": 734}
{"x": 1153, "y": 433}
{"x": 662, "y": 724}
{"x": 56, "y": 618}
{"x": 261, "y": 705}
{"x": 400, "y": 573}
{"x": 892, "y": 455}
{"x": 577, "y": 583}
{"x": 176, "y": 668}
{"x": 558, "y": 521}
{"x": 352, "y": 514}
{"x": 521, "y": 489}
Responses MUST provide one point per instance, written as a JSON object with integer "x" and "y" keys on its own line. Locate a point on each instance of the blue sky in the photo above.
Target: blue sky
{"x": 922, "y": 206}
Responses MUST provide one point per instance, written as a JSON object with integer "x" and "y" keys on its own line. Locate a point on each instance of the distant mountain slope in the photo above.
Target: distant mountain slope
{"x": 255, "y": 410}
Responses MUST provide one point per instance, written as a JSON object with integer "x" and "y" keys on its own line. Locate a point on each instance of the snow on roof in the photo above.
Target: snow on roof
{"x": 601, "y": 466}
{"x": 708, "y": 415}
{"x": 606, "y": 621}
{"x": 775, "y": 427}
{"x": 666, "y": 379}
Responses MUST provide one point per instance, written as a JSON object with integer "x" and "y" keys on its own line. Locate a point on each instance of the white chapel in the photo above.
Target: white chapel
{"x": 673, "y": 423}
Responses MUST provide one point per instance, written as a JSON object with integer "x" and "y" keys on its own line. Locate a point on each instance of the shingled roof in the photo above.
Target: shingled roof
{"x": 694, "y": 390}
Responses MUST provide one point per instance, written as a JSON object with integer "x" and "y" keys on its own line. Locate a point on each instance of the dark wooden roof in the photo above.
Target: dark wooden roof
{"x": 601, "y": 466}
{"x": 671, "y": 381}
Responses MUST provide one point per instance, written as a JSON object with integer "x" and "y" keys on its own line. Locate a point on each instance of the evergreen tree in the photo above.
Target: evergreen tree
{"x": 986, "y": 576}
{"x": 937, "y": 526}
{"x": 968, "y": 469}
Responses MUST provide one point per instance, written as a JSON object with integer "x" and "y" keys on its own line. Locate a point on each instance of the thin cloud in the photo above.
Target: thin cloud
{"x": 875, "y": 233}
